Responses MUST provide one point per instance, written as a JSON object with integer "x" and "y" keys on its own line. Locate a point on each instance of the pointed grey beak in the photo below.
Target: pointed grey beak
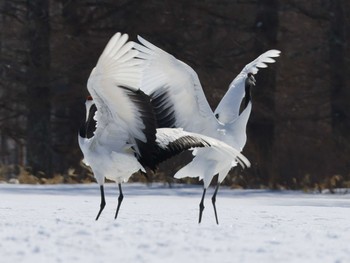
{"x": 252, "y": 80}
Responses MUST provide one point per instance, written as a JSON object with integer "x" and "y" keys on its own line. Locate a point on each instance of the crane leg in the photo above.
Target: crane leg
{"x": 103, "y": 202}
{"x": 213, "y": 200}
{"x": 201, "y": 206}
{"x": 120, "y": 199}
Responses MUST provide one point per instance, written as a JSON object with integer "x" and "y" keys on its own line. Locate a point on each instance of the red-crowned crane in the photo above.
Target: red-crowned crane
{"x": 179, "y": 101}
{"x": 119, "y": 135}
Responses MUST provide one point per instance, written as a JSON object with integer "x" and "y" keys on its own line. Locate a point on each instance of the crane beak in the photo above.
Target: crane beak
{"x": 252, "y": 80}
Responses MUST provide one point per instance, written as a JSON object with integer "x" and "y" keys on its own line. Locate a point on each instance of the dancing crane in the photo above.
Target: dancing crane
{"x": 179, "y": 101}
{"x": 119, "y": 135}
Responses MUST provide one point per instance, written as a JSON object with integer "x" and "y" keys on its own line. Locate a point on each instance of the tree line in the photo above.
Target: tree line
{"x": 298, "y": 131}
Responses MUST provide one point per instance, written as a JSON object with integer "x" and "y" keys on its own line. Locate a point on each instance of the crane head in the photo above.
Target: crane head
{"x": 250, "y": 79}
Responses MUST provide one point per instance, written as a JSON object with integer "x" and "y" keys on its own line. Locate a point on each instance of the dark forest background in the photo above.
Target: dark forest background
{"x": 298, "y": 133}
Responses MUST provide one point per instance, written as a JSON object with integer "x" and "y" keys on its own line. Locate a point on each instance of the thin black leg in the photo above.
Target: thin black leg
{"x": 103, "y": 202}
{"x": 120, "y": 199}
{"x": 213, "y": 200}
{"x": 201, "y": 206}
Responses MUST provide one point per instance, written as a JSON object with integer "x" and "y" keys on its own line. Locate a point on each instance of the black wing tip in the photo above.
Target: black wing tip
{"x": 165, "y": 115}
{"x": 178, "y": 146}
{"x": 145, "y": 109}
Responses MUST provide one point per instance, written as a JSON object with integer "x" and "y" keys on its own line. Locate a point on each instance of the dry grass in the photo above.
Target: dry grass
{"x": 23, "y": 175}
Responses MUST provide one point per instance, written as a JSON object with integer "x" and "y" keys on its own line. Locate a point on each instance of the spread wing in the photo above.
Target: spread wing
{"x": 228, "y": 108}
{"x": 123, "y": 112}
{"x": 177, "y": 95}
{"x": 174, "y": 141}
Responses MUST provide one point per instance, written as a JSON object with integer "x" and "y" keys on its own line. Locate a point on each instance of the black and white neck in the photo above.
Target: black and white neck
{"x": 249, "y": 83}
{"x": 88, "y": 127}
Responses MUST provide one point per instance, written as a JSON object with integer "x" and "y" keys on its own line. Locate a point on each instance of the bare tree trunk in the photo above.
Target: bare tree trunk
{"x": 261, "y": 129}
{"x": 336, "y": 52}
{"x": 340, "y": 93}
{"x": 303, "y": 129}
{"x": 39, "y": 153}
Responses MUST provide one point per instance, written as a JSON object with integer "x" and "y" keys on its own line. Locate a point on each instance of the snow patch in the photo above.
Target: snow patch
{"x": 159, "y": 224}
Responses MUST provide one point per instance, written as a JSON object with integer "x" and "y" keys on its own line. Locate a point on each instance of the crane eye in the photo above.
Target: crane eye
{"x": 89, "y": 98}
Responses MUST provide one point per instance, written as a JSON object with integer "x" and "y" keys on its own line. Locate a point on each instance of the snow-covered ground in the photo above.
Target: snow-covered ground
{"x": 157, "y": 224}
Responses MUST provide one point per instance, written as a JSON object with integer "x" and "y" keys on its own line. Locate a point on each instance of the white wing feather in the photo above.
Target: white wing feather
{"x": 167, "y": 135}
{"x": 117, "y": 70}
{"x": 228, "y": 108}
{"x": 185, "y": 94}
{"x": 216, "y": 158}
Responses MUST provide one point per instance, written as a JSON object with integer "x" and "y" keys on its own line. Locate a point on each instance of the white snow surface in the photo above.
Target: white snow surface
{"x": 56, "y": 223}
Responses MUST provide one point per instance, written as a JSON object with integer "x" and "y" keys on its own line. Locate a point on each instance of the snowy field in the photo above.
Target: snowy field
{"x": 157, "y": 224}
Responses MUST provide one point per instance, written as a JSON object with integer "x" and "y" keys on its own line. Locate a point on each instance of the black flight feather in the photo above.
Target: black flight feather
{"x": 144, "y": 107}
{"x": 177, "y": 146}
{"x": 165, "y": 115}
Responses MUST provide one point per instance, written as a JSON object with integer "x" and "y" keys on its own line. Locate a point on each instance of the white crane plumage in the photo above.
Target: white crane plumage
{"x": 119, "y": 136}
{"x": 179, "y": 101}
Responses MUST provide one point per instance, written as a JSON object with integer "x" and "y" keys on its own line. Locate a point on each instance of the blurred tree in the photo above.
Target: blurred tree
{"x": 303, "y": 124}
{"x": 298, "y": 131}
{"x": 340, "y": 93}
{"x": 12, "y": 85}
{"x": 261, "y": 127}
{"x": 39, "y": 151}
